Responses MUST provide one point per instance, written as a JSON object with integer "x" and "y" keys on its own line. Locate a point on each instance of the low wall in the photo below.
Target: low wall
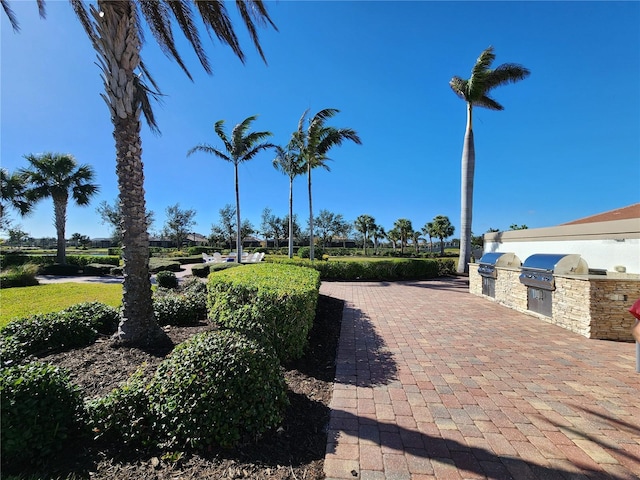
{"x": 592, "y": 305}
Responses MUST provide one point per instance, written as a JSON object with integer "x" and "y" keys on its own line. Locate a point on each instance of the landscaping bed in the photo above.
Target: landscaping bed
{"x": 293, "y": 451}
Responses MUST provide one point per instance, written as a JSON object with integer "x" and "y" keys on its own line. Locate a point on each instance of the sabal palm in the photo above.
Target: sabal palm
{"x": 58, "y": 176}
{"x": 475, "y": 92}
{"x": 314, "y": 142}
{"x": 366, "y": 225}
{"x": 115, "y": 29}
{"x": 441, "y": 228}
{"x": 377, "y": 233}
{"x": 288, "y": 161}
{"x": 404, "y": 228}
{"x": 241, "y": 147}
{"x": 12, "y": 193}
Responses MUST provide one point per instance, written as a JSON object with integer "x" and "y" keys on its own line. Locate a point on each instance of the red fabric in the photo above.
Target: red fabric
{"x": 635, "y": 309}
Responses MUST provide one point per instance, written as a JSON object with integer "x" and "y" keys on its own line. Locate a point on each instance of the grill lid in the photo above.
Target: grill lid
{"x": 559, "y": 264}
{"x": 500, "y": 259}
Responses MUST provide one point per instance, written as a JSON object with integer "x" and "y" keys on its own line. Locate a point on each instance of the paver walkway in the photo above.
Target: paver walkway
{"x": 435, "y": 383}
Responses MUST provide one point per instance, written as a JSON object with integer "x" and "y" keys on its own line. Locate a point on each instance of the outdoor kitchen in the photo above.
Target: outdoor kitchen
{"x": 582, "y": 277}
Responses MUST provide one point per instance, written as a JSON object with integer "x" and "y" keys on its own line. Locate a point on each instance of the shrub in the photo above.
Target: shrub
{"x": 167, "y": 279}
{"x": 177, "y": 309}
{"x": 40, "y": 334}
{"x": 97, "y": 269}
{"x": 40, "y": 409}
{"x": 275, "y": 303}
{"x": 305, "y": 252}
{"x": 217, "y": 388}
{"x": 114, "y": 251}
{"x": 103, "y": 318}
{"x": 19, "y": 276}
{"x": 200, "y": 270}
{"x": 60, "y": 269}
{"x": 122, "y": 415}
{"x": 446, "y": 266}
{"x": 159, "y": 264}
{"x": 84, "y": 260}
{"x": 116, "y": 271}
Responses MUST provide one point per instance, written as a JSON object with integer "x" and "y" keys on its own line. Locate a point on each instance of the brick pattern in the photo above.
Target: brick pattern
{"x": 435, "y": 383}
{"x": 595, "y": 308}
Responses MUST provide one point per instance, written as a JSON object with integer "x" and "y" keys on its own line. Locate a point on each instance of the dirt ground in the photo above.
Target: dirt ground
{"x": 293, "y": 451}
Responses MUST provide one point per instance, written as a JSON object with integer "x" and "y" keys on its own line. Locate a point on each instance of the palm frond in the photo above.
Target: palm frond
{"x": 506, "y": 73}
{"x": 216, "y": 21}
{"x": 459, "y": 87}
{"x": 184, "y": 18}
{"x": 487, "y": 102}
{"x": 205, "y": 148}
{"x": 253, "y": 151}
{"x": 13, "y": 20}
{"x": 250, "y": 11}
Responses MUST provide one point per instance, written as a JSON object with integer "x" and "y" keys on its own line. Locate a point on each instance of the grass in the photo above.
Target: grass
{"x": 52, "y": 297}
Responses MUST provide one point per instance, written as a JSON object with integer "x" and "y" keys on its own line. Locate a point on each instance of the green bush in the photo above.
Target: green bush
{"x": 60, "y": 269}
{"x": 159, "y": 264}
{"x": 275, "y": 303}
{"x": 84, "y": 260}
{"x": 179, "y": 309}
{"x": 123, "y": 415}
{"x": 217, "y": 388}
{"x": 115, "y": 271}
{"x": 19, "y": 276}
{"x": 99, "y": 269}
{"x": 13, "y": 259}
{"x": 114, "y": 251}
{"x": 200, "y": 270}
{"x": 103, "y": 318}
{"x": 167, "y": 279}
{"x": 40, "y": 410}
{"x": 446, "y": 266}
{"x": 43, "y": 333}
{"x": 305, "y": 252}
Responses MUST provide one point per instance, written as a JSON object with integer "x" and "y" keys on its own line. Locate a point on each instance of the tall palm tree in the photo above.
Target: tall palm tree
{"x": 377, "y": 233}
{"x": 58, "y": 176}
{"x": 441, "y": 228}
{"x": 404, "y": 228}
{"x": 115, "y": 29}
{"x": 288, "y": 161}
{"x": 393, "y": 235}
{"x": 241, "y": 147}
{"x": 314, "y": 143}
{"x": 13, "y": 187}
{"x": 365, "y": 224}
{"x": 428, "y": 230}
{"x": 475, "y": 92}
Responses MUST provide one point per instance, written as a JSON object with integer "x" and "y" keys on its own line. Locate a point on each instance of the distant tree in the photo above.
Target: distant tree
{"x": 404, "y": 228}
{"x": 266, "y": 226}
{"x": 294, "y": 224}
{"x": 475, "y": 92}
{"x": 314, "y": 143}
{"x": 240, "y": 147}
{"x": 112, "y": 215}
{"x": 16, "y": 236}
{"x": 493, "y": 230}
{"x": 58, "y": 176}
{"x": 343, "y": 229}
{"x": 246, "y": 229}
{"x": 13, "y": 187}
{"x": 80, "y": 240}
{"x": 289, "y": 162}
{"x": 179, "y": 224}
{"x": 394, "y": 237}
{"x": 441, "y": 228}
{"x": 328, "y": 226}
{"x": 377, "y": 233}
{"x": 428, "y": 231}
{"x": 226, "y": 222}
{"x": 365, "y": 224}
{"x": 518, "y": 227}
{"x": 415, "y": 239}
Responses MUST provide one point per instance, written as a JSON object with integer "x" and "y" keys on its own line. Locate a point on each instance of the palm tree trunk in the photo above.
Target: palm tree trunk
{"x": 290, "y": 217}
{"x": 466, "y": 193}
{"x": 119, "y": 46}
{"x": 60, "y": 218}
{"x": 238, "y": 232}
{"x": 311, "y": 240}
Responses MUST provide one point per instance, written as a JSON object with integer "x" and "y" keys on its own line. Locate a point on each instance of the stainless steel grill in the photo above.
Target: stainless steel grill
{"x": 538, "y": 270}
{"x": 487, "y": 269}
{"x": 489, "y": 262}
{"x": 538, "y": 274}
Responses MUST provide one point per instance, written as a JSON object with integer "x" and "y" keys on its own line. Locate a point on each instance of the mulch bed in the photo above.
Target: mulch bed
{"x": 293, "y": 451}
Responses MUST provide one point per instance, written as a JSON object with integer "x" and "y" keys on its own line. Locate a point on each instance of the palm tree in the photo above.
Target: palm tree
{"x": 314, "y": 143}
{"x": 393, "y": 235}
{"x": 12, "y": 193}
{"x": 115, "y": 29}
{"x": 289, "y": 162}
{"x": 377, "y": 233}
{"x": 404, "y": 228}
{"x": 428, "y": 230}
{"x": 441, "y": 228}
{"x": 56, "y": 176}
{"x": 365, "y": 224}
{"x": 240, "y": 147}
{"x": 415, "y": 238}
{"x": 475, "y": 92}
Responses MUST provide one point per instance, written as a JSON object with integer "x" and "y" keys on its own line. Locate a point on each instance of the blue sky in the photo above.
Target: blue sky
{"x": 566, "y": 146}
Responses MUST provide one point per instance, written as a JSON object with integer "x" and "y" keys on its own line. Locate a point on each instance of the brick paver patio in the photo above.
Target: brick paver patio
{"x": 435, "y": 383}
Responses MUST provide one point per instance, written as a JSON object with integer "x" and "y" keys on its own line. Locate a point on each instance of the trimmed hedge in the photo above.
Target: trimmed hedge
{"x": 78, "y": 260}
{"x": 275, "y": 303}
{"x": 163, "y": 264}
{"x": 217, "y": 388}
{"x": 40, "y": 408}
{"x": 204, "y": 269}
{"x": 401, "y": 269}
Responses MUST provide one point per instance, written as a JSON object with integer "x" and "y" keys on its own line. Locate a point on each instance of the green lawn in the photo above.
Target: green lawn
{"x": 23, "y": 301}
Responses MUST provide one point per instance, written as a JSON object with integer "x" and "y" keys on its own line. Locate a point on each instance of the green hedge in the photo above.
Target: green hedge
{"x": 19, "y": 276}
{"x": 159, "y": 264}
{"x": 78, "y": 260}
{"x": 275, "y": 303}
{"x": 383, "y": 270}
{"x": 40, "y": 410}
